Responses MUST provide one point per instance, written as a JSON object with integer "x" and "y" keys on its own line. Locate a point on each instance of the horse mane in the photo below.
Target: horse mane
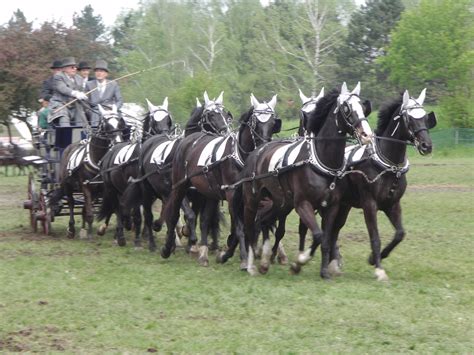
{"x": 386, "y": 113}
{"x": 318, "y": 116}
{"x": 246, "y": 116}
{"x": 193, "y": 121}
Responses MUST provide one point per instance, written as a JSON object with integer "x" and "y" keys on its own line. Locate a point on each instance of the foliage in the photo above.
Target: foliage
{"x": 432, "y": 47}
{"x": 89, "y": 25}
{"x": 368, "y": 35}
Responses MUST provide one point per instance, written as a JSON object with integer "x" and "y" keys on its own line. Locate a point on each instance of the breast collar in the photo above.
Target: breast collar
{"x": 384, "y": 163}
{"x": 318, "y": 164}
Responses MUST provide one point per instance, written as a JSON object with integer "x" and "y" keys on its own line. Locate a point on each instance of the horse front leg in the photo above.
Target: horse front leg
{"x": 209, "y": 212}
{"x": 189, "y": 229}
{"x": 394, "y": 214}
{"x": 278, "y": 250}
{"x": 71, "y": 231}
{"x": 370, "y": 216}
{"x": 306, "y": 212}
{"x": 171, "y": 215}
{"x": 335, "y": 257}
{"x": 137, "y": 222}
{"x": 148, "y": 217}
{"x": 88, "y": 209}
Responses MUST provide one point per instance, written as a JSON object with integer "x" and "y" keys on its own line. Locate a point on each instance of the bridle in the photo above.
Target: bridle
{"x": 205, "y": 119}
{"x": 253, "y": 122}
{"x": 347, "y": 112}
{"x": 167, "y": 116}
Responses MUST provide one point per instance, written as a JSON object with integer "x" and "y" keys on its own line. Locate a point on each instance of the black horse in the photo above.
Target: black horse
{"x": 304, "y": 173}
{"x": 156, "y": 161}
{"x": 377, "y": 178}
{"x": 80, "y": 166}
{"x": 207, "y": 162}
{"x": 120, "y": 164}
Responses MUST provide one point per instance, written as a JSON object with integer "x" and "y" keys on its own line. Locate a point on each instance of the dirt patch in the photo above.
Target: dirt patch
{"x": 41, "y": 339}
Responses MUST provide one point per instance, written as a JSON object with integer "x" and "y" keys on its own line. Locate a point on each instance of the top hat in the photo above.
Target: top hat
{"x": 83, "y": 65}
{"x": 56, "y": 65}
{"x": 68, "y": 61}
{"x": 101, "y": 64}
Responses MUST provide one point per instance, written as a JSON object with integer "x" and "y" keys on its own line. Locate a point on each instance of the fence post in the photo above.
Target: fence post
{"x": 456, "y": 136}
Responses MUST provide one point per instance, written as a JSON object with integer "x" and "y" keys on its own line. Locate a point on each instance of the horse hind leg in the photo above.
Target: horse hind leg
{"x": 395, "y": 217}
{"x": 71, "y": 231}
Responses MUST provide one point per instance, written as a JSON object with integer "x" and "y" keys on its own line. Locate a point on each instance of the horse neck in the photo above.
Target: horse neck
{"x": 330, "y": 144}
{"x": 245, "y": 141}
{"x": 98, "y": 147}
{"x": 393, "y": 151}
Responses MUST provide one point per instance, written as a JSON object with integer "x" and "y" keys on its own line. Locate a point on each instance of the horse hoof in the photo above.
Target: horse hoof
{"x": 121, "y": 242}
{"x": 83, "y": 234}
{"x": 381, "y": 275}
{"x": 152, "y": 248}
{"x": 243, "y": 266}
{"x": 263, "y": 269}
{"x": 252, "y": 271}
{"x": 325, "y": 275}
{"x": 371, "y": 260}
{"x": 101, "y": 230}
{"x": 185, "y": 231}
{"x": 165, "y": 253}
{"x": 282, "y": 260}
{"x": 295, "y": 268}
{"x": 220, "y": 257}
{"x": 157, "y": 226}
{"x": 194, "y": 250}
{"x": 203, "y": 262}
{"x": 71, "y": 233}
{"x": 334, "y": 269}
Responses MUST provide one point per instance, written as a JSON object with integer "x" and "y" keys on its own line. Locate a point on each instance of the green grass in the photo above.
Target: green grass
{"x": 93, "y": 297}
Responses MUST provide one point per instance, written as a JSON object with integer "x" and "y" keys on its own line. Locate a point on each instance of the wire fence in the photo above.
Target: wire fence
{"x": 452, "y": 137}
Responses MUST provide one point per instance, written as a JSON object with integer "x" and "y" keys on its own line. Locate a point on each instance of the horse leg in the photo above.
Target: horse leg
{"x": 71, "y": 231}
{"x": 394, "y": 214}
{"x": 335, "y": 257}
{"x": 89, "y": 212}
{"x": 190, "y": 219}
{"x": 278, "y": 250}
{"x": 251, "y": 237}
{"x": 172, "y": 215}
{"x": 208, "y": 213}
{"x": 302, "y": 230}
{"x": 119, "y": 236}
{"x": 148, "y": 217}
{"x": 370, "y": 215}
{"x": 306, "y": 212}
{"x": 266, "y": 252}
{"x": 103, "y": 227}
{"x": 137, "y": 221}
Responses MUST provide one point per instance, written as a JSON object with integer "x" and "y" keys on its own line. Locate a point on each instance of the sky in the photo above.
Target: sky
{"x": 40, "y": 11}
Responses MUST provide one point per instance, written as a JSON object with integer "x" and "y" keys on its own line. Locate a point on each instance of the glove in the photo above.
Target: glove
{"x": 79, "y": 95}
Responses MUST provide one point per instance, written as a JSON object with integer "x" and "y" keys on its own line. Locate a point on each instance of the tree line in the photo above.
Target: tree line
{"x": 240, "y": 46}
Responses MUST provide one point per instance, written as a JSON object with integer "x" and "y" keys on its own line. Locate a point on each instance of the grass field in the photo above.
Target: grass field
{"x": 67, "y": 295}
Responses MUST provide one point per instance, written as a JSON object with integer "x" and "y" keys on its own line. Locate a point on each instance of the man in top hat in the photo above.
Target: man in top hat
{"x": 84, "y": 69}
{"x": 107, "y": 93}
{"x": 47, "y": 87}
{"x": 67, "y": 87}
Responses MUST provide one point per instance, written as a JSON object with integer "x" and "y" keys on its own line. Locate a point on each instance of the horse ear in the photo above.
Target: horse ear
{"x": 151, "y": 107}
{"x": 101, "y": 110}
{"x": 344, "y": 88}
{"x": 422, "y": 96}
{"x": 367, "y": 107}
{"x": 220, "y": 99}
{"x": 273, "y": 102}
{"x": 303, "y": 98}
{"x": 206, "y": 98}
{"x": 431, "y": 122}
{"x": 321, "y": 94}
{"x": 198, "y": 103}
{"x": 406, "y": 98}
{"x": 165, "y": 103}
{"x": 277, "y": 126}
{"x": 254, "y": 101}
{"x": 356, "y": 90}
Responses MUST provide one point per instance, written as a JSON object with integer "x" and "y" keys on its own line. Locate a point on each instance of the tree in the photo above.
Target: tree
{"x": 431, "y": 47}
{"x": 368, "y": 36}
{"x": 89, "y": 25}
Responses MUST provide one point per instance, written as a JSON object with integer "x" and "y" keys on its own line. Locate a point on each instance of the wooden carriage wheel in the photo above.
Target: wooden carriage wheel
{"x": 32, "y": 202}
{"x": 44, "y": 213}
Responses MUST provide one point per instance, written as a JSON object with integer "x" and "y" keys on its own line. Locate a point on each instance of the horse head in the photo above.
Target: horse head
{"x": 111, "y": 125}
{"x": 261, "y": 120}
{"x": 351, "y": 114}
{"x": 309, "y": 106}
{"x": 159, "y": 119}
{"x": 215, "y": 118}
{"x": 415, "y": 122}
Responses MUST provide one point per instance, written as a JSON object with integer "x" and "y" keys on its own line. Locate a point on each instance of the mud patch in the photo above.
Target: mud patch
{"x": 40, "y": 339}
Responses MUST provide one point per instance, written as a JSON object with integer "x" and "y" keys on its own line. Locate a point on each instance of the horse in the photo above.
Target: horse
{"x": 303, "y": 173}
{"x": 79, "y": 166}
{"x": 155, "y": 164}
{"x": 377, "y": 179}
{"x": 209, "y": 162}
{"x": 120, "y": 164}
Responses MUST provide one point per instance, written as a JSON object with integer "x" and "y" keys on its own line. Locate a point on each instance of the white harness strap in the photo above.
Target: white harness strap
{"x": 354, "y": 153}
{"x": 206, "y": 157}
{"x": 276, "y": 161}
{"x": 162, "y": 151}
{"x": 76, "y": 157}
{"x": 124, "y": 154}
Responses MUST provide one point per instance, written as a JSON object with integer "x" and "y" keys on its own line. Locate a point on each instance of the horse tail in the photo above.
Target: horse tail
{"x": 108, "y": 205}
